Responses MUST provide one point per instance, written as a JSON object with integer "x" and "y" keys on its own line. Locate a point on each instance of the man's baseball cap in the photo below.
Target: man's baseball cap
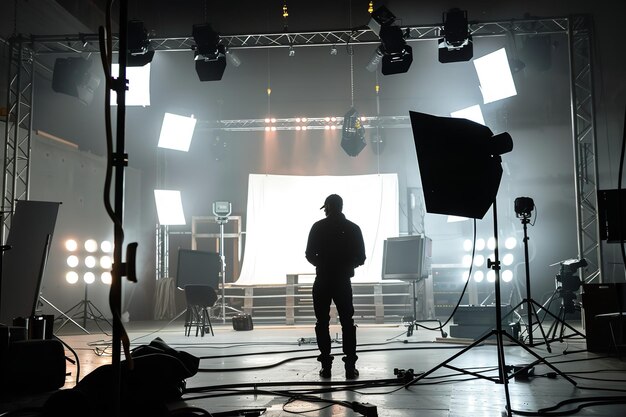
{"x": 333, "y": 201}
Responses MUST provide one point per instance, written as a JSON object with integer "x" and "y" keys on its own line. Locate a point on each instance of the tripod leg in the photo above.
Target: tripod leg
{"x": 531, "y": 305}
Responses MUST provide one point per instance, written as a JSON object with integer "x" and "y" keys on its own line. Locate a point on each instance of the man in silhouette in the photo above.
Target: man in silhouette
{"x": 335, "y": 247}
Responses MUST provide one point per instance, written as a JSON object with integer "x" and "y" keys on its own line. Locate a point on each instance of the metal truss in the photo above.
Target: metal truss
{"x": 162, "y": 251}
{"x": 585, "y": 149}
{"x": 88, "y": 43}
{"x": 302, "y": 123}
{"x": 578, "y": 27}
{"x": 16, "y": 173}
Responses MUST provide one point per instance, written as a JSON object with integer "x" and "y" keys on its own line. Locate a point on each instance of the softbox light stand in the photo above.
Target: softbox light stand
{"x": 444, "y": 146}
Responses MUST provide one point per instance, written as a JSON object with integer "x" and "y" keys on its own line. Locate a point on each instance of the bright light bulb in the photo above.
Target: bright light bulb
{"x": 267, "y": 120}
{"x": 510, "y": 243}
{"x": 71, "y": 277}
{"x": 106, "y": 278}
{"x": 298, "y": 120}
{"x": 467, "y": 245}
{"x": 71, "y": 245}
{"x": 273, "y": 129}
{"x": 91, "y": 245}
{"x": 508, "y": 259}
{"x": 267, "y": 128}
{"x": 105, "y": 262}
{"x": 491, "y": 243}
{"x": 507, "y": 275}
{"x": 491, "y": 276}
{"x": 479, "y": 276}
{"x": 72, "y": 261}
{"x": 465, "y": 276}
{"x": 89, "y": 277}
{"x": 106, "y": 246}
{"x": 326, "y": 127}
{"x": 90, "y": 262}
{"x": 273, "y": 120}
{"x": 479, "y": 260}
{"x": 467, "y": 261}
{"x": 480, "y": 244}
{"x": 327, "y": 119}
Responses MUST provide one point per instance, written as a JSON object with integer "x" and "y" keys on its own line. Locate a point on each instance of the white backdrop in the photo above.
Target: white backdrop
{"x": 282, "y": 209}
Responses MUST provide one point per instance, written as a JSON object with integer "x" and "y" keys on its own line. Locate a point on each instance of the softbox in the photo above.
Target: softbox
{"x": 73, "y": 76}
{"x": 459, "y": 162}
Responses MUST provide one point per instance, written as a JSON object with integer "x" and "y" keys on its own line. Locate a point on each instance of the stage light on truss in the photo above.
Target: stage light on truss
{"x": 494, "y": 75}
{"x": 89, "y": 277}
{"x": 169, "y": 207}
{"x": 456, "y": 44}
{"x": 74, "y": 77}
{"x": 176, "y": 132}
{"x": 71, "y": 245}
{"x": 139, "y": 53}
{"x": 71, "y": 277}
{"x": 106, "y": 278}
{"x": 379, "y": 18}
{"x": 479, "y": 276}
{"x": 397, "y": 55}
{"x": 472, "y": 113}
{"x": 91, "y": 245}
{"x": 138, "y": 93}
{"x": 210, "y": 54}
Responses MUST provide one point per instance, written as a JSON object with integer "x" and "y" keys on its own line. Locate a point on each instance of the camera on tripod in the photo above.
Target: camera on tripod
{"x": 569, "y": 283}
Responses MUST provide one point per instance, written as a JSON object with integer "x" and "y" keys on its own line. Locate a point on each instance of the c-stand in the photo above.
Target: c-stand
{"x": 528, "y": 302}
{"x": 500, "y": 334}
{"x": 221, "y": 305}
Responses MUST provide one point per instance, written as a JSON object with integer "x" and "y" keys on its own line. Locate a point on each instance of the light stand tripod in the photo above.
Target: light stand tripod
{"x": 88, "y": 310}
{"x": 414, "y": 323}
{"x": 221, "y": 302}
{"x": 523, "y": 209}
{"x": 500, "y": 334}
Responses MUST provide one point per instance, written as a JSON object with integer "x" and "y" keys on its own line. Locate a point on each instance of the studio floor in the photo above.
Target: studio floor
{"x": 274, "y": 367}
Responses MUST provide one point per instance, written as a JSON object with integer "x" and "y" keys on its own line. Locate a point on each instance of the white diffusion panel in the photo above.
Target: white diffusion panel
{"x": 282, "y": 209}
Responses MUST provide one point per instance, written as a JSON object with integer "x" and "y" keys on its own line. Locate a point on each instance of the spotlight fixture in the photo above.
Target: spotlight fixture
{"x": 292, "y": 52}
{"x": 138, "y": 45}
{"x": 524, "y": 206}
{"x": 353, "y": 134}
{"x": 232, "y": 58}
{"x": 380, "y": 17}
{"x": 395, "y": 54}
{"x": 210, "y": 54}
{"x": 73, "y": 76}
{"x": 456, "y": 44}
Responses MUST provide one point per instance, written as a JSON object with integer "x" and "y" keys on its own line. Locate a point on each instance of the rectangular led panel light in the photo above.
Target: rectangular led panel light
{"x": 472, "y": 113}
{"x": 169, "y": 207}
{"x": 138, "y": 93}
{"x": 176, "y": 132}
{"x": 494, "y": 75}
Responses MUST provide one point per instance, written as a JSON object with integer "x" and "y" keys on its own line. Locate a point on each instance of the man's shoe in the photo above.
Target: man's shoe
{"x": 325, "y": 372}
{"x": 352, "y": 373}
